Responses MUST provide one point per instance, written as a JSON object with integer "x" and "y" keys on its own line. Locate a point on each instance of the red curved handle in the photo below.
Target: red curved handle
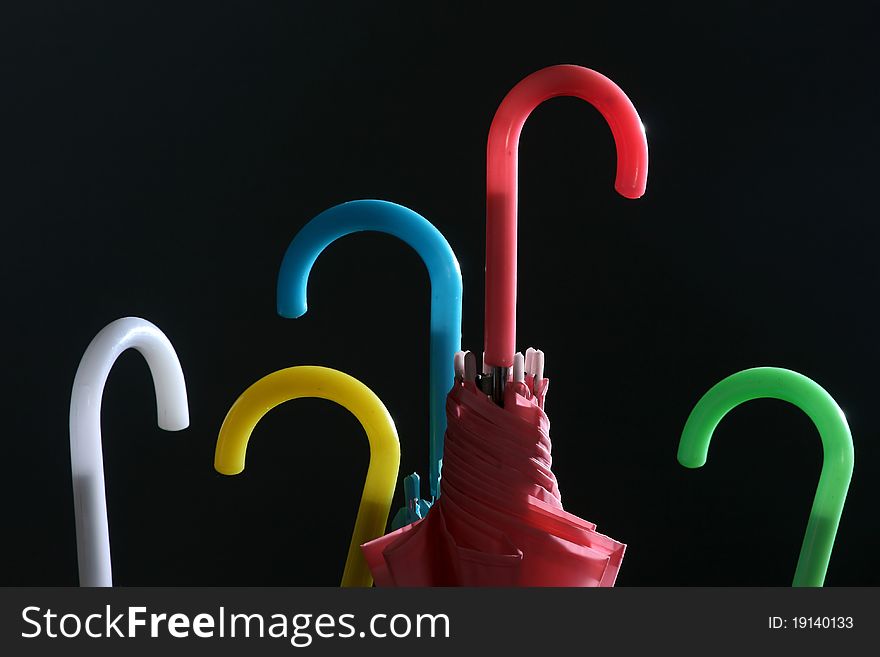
{"x": 501, "y": 181}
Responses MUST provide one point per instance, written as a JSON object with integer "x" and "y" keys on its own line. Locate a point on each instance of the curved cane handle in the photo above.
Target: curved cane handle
{"x": 324, "y": 383}
{"x": 837, "y": 446}
{"x": 446, "y": 290}
{"x": 86, "y": 455}
{"x": 501, "y": 181}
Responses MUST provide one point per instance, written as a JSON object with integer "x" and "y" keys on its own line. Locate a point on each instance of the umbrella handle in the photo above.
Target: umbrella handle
{"x": 86, "y": 452}
{"x": 446, "y": 290}
{"x": 324, "y": 383}
{"x": 501, "y": 181}
{"x": 837, "y": 446}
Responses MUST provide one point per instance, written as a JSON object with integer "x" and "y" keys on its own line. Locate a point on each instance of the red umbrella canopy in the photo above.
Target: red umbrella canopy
{"x": 499, "y": 521}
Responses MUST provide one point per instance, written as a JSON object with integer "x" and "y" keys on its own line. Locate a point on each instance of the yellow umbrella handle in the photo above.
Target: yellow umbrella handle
{"x": 336, "y": 386}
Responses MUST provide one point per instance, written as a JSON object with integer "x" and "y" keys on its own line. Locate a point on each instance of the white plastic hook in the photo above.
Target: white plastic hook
{"x": 470, "y": 366}
{"x": 86, "y": 455}
{"x": 539, "y": 365}
{"x": 518, "y": 368}
{"x": 530, "y": 361}
{"x": 458, "y": 364}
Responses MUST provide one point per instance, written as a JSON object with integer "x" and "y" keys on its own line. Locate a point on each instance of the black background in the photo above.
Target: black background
{"x": 159, "y": 158}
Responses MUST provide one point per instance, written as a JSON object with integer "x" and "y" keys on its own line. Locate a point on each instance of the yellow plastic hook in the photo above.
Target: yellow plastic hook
{"x": 336, "y": 386}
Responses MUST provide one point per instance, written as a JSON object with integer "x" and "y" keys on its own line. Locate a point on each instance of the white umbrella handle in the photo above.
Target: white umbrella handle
{"x": 86, "y": 456}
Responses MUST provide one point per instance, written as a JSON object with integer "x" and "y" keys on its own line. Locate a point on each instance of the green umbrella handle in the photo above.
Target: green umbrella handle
{"x": 837, "y": 446}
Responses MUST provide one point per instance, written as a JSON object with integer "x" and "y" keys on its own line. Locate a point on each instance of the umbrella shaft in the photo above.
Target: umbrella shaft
{"x": 499, "y": 378}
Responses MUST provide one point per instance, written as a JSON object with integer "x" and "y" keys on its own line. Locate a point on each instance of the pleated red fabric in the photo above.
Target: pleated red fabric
{"x": 499, "y": 520}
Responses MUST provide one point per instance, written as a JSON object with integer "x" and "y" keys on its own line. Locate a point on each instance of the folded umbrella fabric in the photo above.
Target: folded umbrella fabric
{"x": 499, "y": 520}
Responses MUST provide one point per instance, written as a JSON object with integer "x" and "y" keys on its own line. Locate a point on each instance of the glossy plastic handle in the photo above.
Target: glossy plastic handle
{"x": 446, "y": 290}
{"x": 501, "y": 181}
{"x": 86, "y": 455}
{"x": 335, "y": 386}
{"x": 837, "y": 445}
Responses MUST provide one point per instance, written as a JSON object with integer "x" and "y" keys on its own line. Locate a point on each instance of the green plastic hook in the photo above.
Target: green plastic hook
{"x": 837, "y": 446}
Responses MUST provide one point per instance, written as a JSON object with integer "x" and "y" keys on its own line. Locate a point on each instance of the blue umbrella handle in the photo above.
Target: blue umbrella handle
{"x": 446, "y": 290}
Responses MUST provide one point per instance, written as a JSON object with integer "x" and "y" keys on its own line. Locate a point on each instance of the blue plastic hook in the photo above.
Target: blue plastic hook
{"x": 446, "y": 290}
{"x": 416, "y": 508}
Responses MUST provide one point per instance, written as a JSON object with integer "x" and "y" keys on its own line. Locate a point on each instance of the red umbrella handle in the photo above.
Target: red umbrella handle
{"x": 501, "y": 181}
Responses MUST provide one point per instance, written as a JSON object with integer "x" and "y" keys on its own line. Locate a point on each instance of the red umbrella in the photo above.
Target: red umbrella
{"x": 499, "y": 520}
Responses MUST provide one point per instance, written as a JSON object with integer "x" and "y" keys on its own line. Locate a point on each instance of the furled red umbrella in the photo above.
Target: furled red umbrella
{"x": 499, "y": 520}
